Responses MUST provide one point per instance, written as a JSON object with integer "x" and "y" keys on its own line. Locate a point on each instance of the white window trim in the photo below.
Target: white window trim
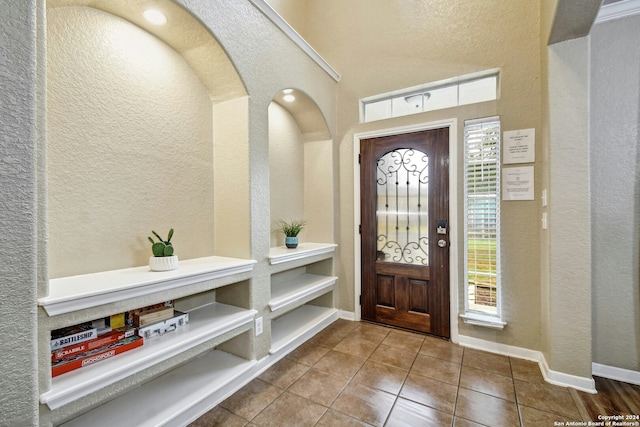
{"x": 454, "y": 213}
{"x": 429, "y": 86}
{"x": 478, "y": 319}
{"x": 473, "y": 317}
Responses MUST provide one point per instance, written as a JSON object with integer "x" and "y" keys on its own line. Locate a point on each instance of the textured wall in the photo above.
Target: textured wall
{"x": 130, "y": 145}
{"x": 397, "y": 44}
{"x": 319, "y": 191}
{"x": 615, "y": 192}
{"x": 286, "y": 171}
{"x": 231, "y": 178}
{"x": 18, "y": 218}
{"x": 547, "y": 13}
{"x": 294, "y": 12}
{"x": 301, "y": 179}
{"x": 244, "y": 32}
{"x": 267, "y": 63}
{"x": 569, "y": 296}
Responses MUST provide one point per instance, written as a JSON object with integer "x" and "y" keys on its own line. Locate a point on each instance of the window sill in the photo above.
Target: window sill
{"x": 483, "y": 320}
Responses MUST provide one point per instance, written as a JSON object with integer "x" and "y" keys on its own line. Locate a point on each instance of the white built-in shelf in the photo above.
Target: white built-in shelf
{"x": 205, "y": 323}
{"x": 69, "y": 294}
{"x": 164, "y": 400}
{"x": 297, "y": 326}
{"x": 298, "y": 290}
{"x": 282, "y": 254}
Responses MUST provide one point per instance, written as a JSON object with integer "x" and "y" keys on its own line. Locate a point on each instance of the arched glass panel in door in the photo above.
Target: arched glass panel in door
{"x": 402, "y": 207}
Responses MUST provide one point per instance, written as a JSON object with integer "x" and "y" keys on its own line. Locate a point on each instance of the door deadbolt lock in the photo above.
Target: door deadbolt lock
{"x": 442, "y": 243}
{"x": 442, "y": 226}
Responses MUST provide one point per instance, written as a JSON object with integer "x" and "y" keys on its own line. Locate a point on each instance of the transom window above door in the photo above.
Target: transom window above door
{"x": 461, "y": 90}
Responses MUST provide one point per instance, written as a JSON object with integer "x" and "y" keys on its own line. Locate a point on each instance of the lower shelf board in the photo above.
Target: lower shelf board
{"x": 299, "y": 324}
{"x": 163, "y": 400}
{"x": 298, "y": 290}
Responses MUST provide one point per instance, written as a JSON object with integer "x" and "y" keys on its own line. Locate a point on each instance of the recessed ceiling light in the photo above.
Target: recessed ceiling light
{"x": 289, "y": 98}
{"x": 154, "y": 16}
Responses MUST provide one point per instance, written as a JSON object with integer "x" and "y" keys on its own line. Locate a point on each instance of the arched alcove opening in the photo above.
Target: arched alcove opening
{"x": 301, "y": 169}
{"x": 132, "y": 111}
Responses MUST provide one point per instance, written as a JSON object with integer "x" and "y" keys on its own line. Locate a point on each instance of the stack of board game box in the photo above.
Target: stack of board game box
{"x": 82, "y": 345}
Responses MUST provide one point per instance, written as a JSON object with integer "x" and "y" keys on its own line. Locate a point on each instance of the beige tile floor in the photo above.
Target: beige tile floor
{"x": 361, "y": 374}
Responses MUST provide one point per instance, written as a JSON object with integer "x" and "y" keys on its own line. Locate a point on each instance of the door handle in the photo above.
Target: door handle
{"x": 442, "y": 243}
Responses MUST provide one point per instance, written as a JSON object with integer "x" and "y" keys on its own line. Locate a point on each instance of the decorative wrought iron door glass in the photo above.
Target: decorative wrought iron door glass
{"x": 402, "y": 211}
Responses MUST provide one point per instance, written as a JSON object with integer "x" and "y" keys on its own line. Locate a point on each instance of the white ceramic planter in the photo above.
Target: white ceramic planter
{"x": 163, "y": 263}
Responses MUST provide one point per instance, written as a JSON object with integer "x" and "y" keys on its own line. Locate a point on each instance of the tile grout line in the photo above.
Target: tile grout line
{"x": 395, "y": 401}
{"x": 352, "y": 378}
{"x": 343, "y": 388}
{"x": 515, "y": 393}
{"x": 396, "y": 397}
{"x": 455, "y": 404}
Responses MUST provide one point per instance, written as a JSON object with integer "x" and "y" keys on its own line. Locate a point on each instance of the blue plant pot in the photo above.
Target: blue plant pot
{"x": 291, "y": 242}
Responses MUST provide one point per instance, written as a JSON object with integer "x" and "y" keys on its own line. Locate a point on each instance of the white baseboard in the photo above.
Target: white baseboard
{"x": 553, "y": 377}
{"x": 493, "y": 347}
{"x": 346, "y": 315}
{"x": 618, "y": 374}
{"x": 567, "y": 380}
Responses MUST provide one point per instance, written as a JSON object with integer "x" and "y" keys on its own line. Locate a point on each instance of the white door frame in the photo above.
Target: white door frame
{"x": 452, "y": 124}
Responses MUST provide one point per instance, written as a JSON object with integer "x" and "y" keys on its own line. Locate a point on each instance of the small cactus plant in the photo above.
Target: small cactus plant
{"x": 162, "y": 247}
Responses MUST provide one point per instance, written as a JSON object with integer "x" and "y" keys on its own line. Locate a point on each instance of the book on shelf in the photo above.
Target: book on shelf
{"x": 132, "y": 316}
{"x": 160, "y": 328}
{"x": 94, "y": 356}
{"x": 101, "y": 326}
{"x": 115, "y": 320}
{"x": 72, "y": 335}
{"x": 102, "y": 340}
{"x": 154, "y": 315}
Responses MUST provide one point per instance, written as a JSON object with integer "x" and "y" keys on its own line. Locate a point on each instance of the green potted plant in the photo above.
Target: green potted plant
{"x": 291, "y": 230}
{"x": 163, "y": 258}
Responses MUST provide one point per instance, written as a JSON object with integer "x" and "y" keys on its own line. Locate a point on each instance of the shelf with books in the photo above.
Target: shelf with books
{"x": 74, "y": 293}
{"x": 295, "y": 327}
{"x": 174, "y": 398}
{"x": 205, "y": 324}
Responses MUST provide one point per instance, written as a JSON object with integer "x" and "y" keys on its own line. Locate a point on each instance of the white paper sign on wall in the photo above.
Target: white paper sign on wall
{"x": 519, "y": 146}
{"x": 517, "y": 183}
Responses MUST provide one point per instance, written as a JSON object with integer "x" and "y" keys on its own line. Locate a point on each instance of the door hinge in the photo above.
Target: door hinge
{"x": 359, "y": 228}
{"x": 360, "y": 299}
{"x": 359, "y": 158}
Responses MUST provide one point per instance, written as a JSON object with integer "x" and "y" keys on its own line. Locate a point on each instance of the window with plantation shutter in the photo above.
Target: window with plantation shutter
{"x": 482, "y": 219}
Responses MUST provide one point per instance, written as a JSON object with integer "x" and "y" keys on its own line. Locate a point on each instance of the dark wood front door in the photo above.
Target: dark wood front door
{"x": 405, "y": 230}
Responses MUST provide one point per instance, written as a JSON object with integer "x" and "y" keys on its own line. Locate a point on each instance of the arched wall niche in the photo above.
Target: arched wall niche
{"x": 184, "y": 33}
{"x": 300, "y": 167}
{"x": 132, "y": 112}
